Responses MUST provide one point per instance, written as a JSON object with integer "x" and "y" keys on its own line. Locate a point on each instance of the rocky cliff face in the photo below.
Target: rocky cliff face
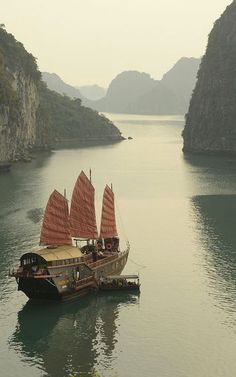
{"x": 19, "y": 99}
{"x": 211, "y": 120}
{"x": 18, "y": 135}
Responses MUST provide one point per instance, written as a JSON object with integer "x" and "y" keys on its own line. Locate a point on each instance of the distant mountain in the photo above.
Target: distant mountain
{"x": 123, "y": 91}
{"x": 92, "y": 92}
{"x": 136, "y": 92}
{"x": 159, "y": 100}
{"x": 54, "y": 82}
{"x": 181, "y": 79}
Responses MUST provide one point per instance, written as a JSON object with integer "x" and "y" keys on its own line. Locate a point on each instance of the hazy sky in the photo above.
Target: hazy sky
{"x": 91, "y": 41}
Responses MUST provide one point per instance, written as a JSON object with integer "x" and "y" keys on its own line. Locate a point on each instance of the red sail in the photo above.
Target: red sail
{"x": 108, "y": 220}
{"x": 82, "y": 211}
{"x": 55, "y": 229}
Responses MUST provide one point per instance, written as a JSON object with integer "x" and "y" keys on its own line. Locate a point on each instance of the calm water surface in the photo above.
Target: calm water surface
{"x": 179, "y": 216}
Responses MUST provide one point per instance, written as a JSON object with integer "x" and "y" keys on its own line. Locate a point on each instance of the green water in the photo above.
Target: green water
{"x": 179, "y": 216}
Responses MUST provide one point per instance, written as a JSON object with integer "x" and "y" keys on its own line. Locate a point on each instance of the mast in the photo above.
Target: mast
{"x": 82, "y": 211}
{"x": 108, "y": 219}
{"x": 55, "y": 228}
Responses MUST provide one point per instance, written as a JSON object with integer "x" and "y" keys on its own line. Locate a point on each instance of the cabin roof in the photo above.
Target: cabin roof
{"x": 59, "y": 253}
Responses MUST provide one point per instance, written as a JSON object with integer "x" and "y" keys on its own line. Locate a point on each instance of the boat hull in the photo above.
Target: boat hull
{"x": 51, "y": 289}
{"x": 42, "y": 289}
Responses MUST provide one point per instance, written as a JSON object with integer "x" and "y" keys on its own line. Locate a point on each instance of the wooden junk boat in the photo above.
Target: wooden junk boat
{"x": 62, "y": 270}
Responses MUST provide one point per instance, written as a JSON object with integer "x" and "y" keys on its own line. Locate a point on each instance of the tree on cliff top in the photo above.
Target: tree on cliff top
{"x": 16, "y": 55}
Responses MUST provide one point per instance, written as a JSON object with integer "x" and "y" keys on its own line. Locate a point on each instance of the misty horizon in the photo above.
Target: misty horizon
{"x": 90, "y": 43}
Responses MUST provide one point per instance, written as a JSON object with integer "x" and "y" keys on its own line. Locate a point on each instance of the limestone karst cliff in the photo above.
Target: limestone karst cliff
{"x": 32, "y": 116}
{"x": 19, "y": 98}
{"x": 211, "y": 120}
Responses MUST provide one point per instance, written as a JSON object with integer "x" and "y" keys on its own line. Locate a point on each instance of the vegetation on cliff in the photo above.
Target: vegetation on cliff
{"x": 211, "y": 120}
{"x": 8, "y": 96}
{"x": 68, "y": 120}
{"x": 12, "y": 55}
{"x": 16, "y": 57}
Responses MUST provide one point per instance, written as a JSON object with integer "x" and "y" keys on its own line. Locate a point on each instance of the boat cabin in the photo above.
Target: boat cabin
{"x": 40, "y": 260}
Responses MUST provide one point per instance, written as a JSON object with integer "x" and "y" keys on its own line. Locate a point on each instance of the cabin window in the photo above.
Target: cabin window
{"x": 27, "y": 261}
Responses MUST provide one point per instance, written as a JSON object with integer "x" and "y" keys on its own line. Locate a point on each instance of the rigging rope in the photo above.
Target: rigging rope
{"x": 141, "y": 266}
{"x": 121, "y": 222}
{"x": 137, "y": 264}
{"x": 125, "y": 235}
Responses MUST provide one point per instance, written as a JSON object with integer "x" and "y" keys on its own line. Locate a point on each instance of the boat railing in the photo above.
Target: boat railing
{"x": 19, "y": 273}
{"x": 84, "y": 281}
{"x": 90, "y": 281}
{"x": 101, "y": 262}
{"x": 87, "y": 258}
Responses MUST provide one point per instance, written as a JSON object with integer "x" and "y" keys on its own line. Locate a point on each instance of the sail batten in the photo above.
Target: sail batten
{"x": 108, "y": 219}
{"x": 82, "y": 211}
{"x": 55, "y": 229}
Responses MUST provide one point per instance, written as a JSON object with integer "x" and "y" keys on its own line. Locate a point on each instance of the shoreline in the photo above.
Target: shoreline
{"x": 31, "y": 154}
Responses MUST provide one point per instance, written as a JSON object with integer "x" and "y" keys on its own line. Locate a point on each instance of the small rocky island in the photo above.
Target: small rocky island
{"x": 211, "y": 120}
{"x": 33, "y": 117}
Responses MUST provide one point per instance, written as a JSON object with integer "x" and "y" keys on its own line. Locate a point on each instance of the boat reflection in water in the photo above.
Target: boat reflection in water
{"x": 215, "y": 216}
{"x": 73, "y": 337}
